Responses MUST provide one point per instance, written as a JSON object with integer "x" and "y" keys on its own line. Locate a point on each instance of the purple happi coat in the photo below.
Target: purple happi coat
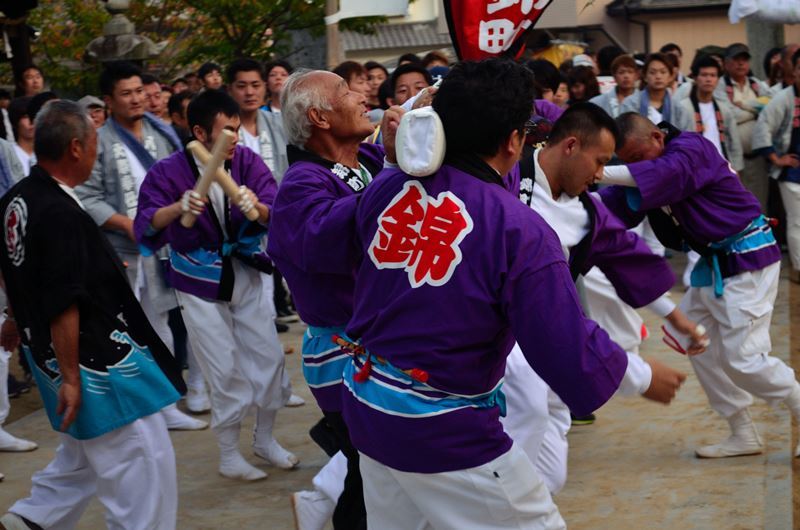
{"x": 165, "y": 184}
{"x": 456, "y": 269}
{"x": 699, "y": 189}
{"x": 312, "y": 243}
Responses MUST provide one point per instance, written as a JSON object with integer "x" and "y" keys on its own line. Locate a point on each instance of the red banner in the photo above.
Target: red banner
{"x": 488, "y": 28}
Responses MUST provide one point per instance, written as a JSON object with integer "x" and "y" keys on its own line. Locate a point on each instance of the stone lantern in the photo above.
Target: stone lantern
{"x": 119, "y": 40}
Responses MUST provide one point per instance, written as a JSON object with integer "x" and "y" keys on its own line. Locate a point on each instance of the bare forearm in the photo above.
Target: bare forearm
{"x": 118, "y": 222}
{"x": 64, "y": 332}
{"x": 166, "y": 216}
{"x": 263, "y": 213}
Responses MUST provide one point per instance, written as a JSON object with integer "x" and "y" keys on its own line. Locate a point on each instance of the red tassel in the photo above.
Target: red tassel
{"x": 773, "y": 222}
{"x": 363, "y": 374}
{"x": 336, "y": 339}
{"x": 418, "y": 375}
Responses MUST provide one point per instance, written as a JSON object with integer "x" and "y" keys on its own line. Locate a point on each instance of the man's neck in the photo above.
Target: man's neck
{"x": 135, "y": 127}
{"x": 329, "y": 148}
{"x": 548, "y": 161}
{"x": 622, "y": 93}
{"x": 657, "y": 95}
{"x": 275, "y": 102}
{"x": 705, "y": 97}
{"x": 250, "y": 121}
{"x": 59, "y": 172}
{"x": 26, "y": 144}
{"x": 741, "y": 80}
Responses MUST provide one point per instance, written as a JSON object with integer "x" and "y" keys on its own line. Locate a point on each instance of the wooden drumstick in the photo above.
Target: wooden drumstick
{"x": 212, "y": 163}
{"x": 223, "y": 178}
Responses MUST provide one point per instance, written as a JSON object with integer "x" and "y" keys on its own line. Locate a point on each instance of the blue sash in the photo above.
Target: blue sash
{"x": 392, "y": 391}
{"x": 756, "y": 236}
{"x": 644, "y": 103}
{"x": 323, "y": 361}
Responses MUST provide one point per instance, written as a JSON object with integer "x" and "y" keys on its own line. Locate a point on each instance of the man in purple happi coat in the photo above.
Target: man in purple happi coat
{"x": 311, "y": 242}
{"x": 217, "y": 268}
{"x": 694, "y": 200}
{"x": 455, "y": 270}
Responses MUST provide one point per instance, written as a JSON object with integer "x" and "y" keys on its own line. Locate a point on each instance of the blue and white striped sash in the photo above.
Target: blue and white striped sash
{"x": 323, "y": 361}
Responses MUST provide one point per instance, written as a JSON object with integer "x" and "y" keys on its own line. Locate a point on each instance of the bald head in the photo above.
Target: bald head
{"x": 640, "y": 138}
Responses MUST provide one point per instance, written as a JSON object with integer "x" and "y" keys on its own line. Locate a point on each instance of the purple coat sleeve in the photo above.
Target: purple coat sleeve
{"x": 570, "y": 352}
{"x": 547, "y": 109}
{"x": 256, "y": 175}
{"x": 615, "y": 199}
{"x": 312, "y": 224}
{"x": 688, "y": 163}
{"x": 638, "y": 275}
{"x": 157, "y": 191}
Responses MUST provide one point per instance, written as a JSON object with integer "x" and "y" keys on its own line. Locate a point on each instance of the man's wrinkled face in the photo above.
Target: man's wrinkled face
{"x": 127, "y": 100}
{"x": 249, "y": 90}
{"x": 637, "y": 149}
{"x": 348, "y": 119}
{"x": 583, "y": 163}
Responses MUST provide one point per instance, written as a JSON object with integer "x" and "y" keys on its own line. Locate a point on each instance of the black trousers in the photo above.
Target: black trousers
{"x": 350, "y": 513}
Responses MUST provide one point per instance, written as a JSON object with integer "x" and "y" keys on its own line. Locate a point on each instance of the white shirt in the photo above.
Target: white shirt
{"x": 69, "y": 191}
{"x": 566, "y": 215}
{"x": 138, "y": 171}
{"x": 27, "y": 160}
{"x": 710, "y": 129}
{"x": 653, "y": 115}
{"x": 216, "y": 197}
{"x": 250, "y": 141}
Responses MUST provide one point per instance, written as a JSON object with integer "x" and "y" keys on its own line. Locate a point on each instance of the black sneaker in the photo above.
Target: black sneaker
{"x": 282, "y": 328}
{"x": 285, "y": 316}
{"x": 582, "y": 420}
{"x": 16, "y": 388}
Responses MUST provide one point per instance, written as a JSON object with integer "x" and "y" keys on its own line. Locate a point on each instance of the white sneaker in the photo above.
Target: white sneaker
{"x": 233, "y": 465}
{"x": 12, "y": 444}
{"x": 295, "y": 401}
{"x": 178, "y": 421}
{"x": 312, "y": 510}
{"x": 197, "y": 401}
{"x": 276, "y": 455}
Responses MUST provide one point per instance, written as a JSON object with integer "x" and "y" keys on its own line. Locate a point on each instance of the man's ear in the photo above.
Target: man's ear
{"x": 76, "y": 149}
{"x": 318, "y": 118}
{"x": 570, "y": 145}
{"x": 200, "y": 134}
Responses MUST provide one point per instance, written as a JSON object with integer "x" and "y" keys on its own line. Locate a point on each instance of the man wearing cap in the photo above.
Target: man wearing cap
{"x": 742, "y": 91}
{"x": 96, "y": 109}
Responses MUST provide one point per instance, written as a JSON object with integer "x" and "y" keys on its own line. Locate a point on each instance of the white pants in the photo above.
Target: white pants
{"x": 622, "y": 323}
{"x": 790, "y": 195}
{"x": 692, "y": 258}
{"x": 268, "y": 281}
{"x": 504, "y": 493}
{"x": 537, "y": 420}
{"x": 5, "y": 358}
{"x": 737, "y": 362}
{"x": 237, "y": 348}
{"x": 131, "y": 470}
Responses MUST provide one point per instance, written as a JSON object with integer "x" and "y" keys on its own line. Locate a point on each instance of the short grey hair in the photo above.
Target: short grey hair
{"x": 56, "y": 124}
{"x": 297, "y": 96}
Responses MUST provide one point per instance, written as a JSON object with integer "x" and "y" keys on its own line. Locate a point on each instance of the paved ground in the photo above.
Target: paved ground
{"x": 634, "y": 469}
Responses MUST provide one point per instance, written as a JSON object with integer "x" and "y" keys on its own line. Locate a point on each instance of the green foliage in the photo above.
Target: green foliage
{"x": 193, "y": 31}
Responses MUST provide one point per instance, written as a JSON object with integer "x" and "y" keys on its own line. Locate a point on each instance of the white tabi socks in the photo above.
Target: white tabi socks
{"x": 267, "y": 447}
{"x": 744, "y": 439}
{"x": 178, "y": 421}
{"x": 231, "y": 462}
{"x": 12, "y": 444}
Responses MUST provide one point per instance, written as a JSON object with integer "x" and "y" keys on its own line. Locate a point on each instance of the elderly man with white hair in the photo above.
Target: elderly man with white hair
{"x": 310, "y": 237}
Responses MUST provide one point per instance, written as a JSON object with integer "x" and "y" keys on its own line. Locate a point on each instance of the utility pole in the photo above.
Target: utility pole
{"x": 761, "y": 37}
{"x": 333, "y": 39}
